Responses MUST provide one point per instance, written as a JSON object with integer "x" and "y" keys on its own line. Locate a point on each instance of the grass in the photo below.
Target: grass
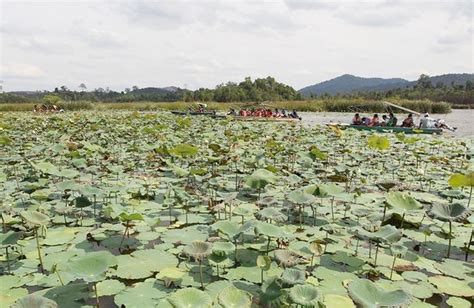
{"x": 330, "y": 105}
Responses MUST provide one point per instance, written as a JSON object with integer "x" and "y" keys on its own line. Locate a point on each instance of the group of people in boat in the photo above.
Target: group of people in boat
{"x": 391, "y": 121}
{"x": 264, "y": 112}
{"x": 47, "y": 108}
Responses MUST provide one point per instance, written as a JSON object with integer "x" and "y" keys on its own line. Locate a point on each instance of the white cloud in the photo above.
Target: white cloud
{"x": 117, "y": 44}
{"x": 20, "y": 71}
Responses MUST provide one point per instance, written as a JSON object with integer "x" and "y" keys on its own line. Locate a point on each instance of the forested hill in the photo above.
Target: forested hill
{"x": 349, "y": 84}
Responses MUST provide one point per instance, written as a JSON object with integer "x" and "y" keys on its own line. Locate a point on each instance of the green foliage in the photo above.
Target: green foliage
{"x": 378, "y": 142}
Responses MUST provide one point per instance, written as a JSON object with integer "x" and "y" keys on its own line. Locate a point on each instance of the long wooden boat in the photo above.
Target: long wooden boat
{"x": 262, "y": 119}
{"x": 193, "y": 113}
{"x": 387, "y": 129}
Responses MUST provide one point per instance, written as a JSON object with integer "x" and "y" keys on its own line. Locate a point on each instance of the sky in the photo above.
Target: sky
{"x": 201, "y": 43}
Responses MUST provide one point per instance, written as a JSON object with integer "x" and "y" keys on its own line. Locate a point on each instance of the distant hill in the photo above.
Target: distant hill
{"x": 153, "y": 90}
{"x": 350, "y": 83}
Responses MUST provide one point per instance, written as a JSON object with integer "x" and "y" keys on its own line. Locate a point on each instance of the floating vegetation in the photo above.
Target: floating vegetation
{"x": 143, "y": 209}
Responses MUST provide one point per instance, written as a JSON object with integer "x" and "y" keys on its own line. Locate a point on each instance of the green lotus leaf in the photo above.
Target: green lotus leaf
{"x": 460, "y": 180}
{"x": 367, "y": 294}
{"x": 287, "y": 258}
{"x": 82, "y": 202}
{"x": 334, "y": 300}
{"x": 184, "y": 150}
{"x": 300, "y": 197}
{"x": 270, "y": 230}
{"x": 452, "y": 286}
{"x": 260, "y": 178}
{"x": 304, "y": 295}
{"x": 457, "y": 302}
{"x": 109, "y": 287}
{"x": 378, "y": 142}
{"x": 35, "y": 218}
{"x": 292, "y": 276}
{"x": 398, "y": 250}
{"x": 67, "y": 295}
{"x": 34, "y": 301}
{"x": 198, "y": 250}
{"x": 10, "y": 238}
{"x": 46, "y": 167}
{"x": 330, "y": 189}
{"x": 454, "y": 268}
{"x": 414, "y": 276}
{"x": 190, "y": 297}
{"x": 144, "y": 294}
{"x": 401, "y": 201}
{"x": 271, "y": 213}
{"x": 92, "y": 266}
{"x": 233, "y": 297}
{"x": 229, "y": 228}
{"x": 386, "y": 234}
{"x": 222, "y": 248}
{"x": 264, "y": 262}
{"x": 446, "y": 212}
{"x": 142, "y": 263}
{"x": 271, "y": 292}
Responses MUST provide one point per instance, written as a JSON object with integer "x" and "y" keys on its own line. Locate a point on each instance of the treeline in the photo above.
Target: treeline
{"x": 261, "y": 89}
{"x": 258, "y": 90}
{"x": 424, "y": 89}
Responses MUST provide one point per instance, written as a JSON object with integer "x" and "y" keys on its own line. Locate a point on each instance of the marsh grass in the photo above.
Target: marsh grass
{"x": 330, "y": 105}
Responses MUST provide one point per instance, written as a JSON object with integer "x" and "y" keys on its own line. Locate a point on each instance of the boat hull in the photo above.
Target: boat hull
{"x": 386, "y": 129}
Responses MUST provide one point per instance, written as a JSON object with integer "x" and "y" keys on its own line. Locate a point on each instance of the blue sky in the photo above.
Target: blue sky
{"x": 118, "y": 44}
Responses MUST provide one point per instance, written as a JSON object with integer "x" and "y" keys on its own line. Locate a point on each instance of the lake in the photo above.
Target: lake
{"x": 463, "y": 119}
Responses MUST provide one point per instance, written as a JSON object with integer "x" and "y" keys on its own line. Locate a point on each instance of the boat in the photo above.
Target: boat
{"x": 193, "y": 113}
{"x": 389, "y": 129}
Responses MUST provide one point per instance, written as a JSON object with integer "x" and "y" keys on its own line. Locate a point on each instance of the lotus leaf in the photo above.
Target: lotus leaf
{"x": 233, "y": 297}
{"x": 35, "y": 218}
{"x": 271, "y": 213}
{"x": 144, "y": 294}
{"x": 261, "y": 178}
{"x": 198, "y": 250}
{"x": 287, "y": 258}
{"x": 401, "y": 201}
{"x": 292, "y": 276}
{"x": 91, "y": 267}
{"x": 367, "y": 294}
{"x": 190, "y": 297}
{"x": 452, "y": 286}
{"x": 304, "y": 295}
{"x": 34, "y": 301}
{"x": 446, "y": 212}
{"x": 457, "y": 302}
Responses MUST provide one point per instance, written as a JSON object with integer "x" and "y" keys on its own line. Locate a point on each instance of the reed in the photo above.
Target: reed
{"x": 320, "y": 105}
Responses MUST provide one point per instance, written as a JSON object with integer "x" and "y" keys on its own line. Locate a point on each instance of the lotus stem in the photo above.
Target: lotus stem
{"x": 235, "y": 251}
{"x": 393, "y": 264}
{"x": 403, "y": 219}
{"x": 261, "y": 275}
{"x": 301, "y": 216}
{"x": 59, "y": 276}
{"x": 200, "y": 274}
{"x": 96, "y": 294}
{"x": 332, "y": 208}
{"x": 312, "y": 259}
{"x": 8, "y": 259}
{"x": 376, "y": 253}
{"x": 370, "y": 249}
{"x": 470, "y": 195}
{"x": 357, "y": 246}
{"x": 217, "y": 271}
{"x": 268, "y": 245}
{"x": 123, "y": 236}
{"x": 38, "y": 247}
{"x": 95, "y": 203}
{"x": 449, "y": 240}
{"x": 469, "y": 244}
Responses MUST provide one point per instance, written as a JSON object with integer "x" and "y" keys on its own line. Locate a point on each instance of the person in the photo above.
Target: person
{"x": 441, "y": 124}
{"x": 374, "y": 121}
{"x": 392, "y": 120}
{"x": 365, "y": 121}
{"x": 35, "y": 108}
{"x": 356, "y": 120}
{"x": 408, "y": 122}
{"x": 384, "y": 121}
{"x": 232, "y": 112}
{"x": 283, "y": 113}
{"x": 427, "y": 122}
{"x": 294, "y": 115}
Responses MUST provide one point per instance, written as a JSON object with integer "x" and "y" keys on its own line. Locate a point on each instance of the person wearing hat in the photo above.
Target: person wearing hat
{"x": 427, "y": 122}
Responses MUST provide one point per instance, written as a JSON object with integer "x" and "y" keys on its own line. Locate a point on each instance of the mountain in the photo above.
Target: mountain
{"x": 350, "y": 83}
{"x": 153, "y": 90}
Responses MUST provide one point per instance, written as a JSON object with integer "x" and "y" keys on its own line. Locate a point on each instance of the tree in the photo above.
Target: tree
{"x": 83, "y": 87}
{"x": 127, "y": 90}
{"x": 64, "y": 88}
{"x": 135, "y": 88}
{"x": 424, "y": 82}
